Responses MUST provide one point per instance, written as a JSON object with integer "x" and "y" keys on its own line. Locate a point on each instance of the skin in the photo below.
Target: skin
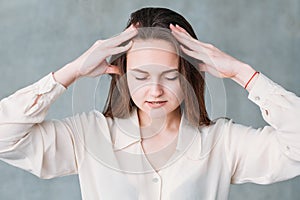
{"x": 216, "y": 62}
{"x": 93, "y": 63}
{"x": 153, "y": 77}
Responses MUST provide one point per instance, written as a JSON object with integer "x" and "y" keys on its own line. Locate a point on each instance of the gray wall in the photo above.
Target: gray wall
{"x": 38, "y": 37}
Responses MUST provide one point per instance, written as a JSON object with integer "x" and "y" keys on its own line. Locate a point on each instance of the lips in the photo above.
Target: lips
{"x": 156, "y": 104}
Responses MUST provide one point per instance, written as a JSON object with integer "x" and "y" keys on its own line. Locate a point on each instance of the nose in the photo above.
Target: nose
{"x": 156, "y": 90}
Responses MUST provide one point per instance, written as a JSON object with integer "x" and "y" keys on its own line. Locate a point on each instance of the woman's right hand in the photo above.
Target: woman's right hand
{"x": 92, "y": 63}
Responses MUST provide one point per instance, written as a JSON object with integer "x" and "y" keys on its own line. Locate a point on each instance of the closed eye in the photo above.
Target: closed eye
{"x": 140, "y": 78}
{"x": 171, "y": 78}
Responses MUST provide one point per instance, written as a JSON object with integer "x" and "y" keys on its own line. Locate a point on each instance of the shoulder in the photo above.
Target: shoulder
{"x": 217, "y": 125}
{"x": 91, "y": 126}
{"x": 225, "y": 126}
{"x": 93, "y": 118}
{"x": 213, "y": 134}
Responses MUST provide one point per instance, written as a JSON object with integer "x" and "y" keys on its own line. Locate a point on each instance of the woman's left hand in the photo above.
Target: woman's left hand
{"x": 214, "y": 60}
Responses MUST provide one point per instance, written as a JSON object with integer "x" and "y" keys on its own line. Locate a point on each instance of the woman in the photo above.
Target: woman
{"x": 155, "y": 139}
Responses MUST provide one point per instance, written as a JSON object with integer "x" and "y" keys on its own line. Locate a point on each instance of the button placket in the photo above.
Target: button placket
{"x": 155, "y": 180}
{"x": 155, "y": 187}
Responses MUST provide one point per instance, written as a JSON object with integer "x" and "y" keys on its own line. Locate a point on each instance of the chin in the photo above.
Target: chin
{"x": 158, "y": 113}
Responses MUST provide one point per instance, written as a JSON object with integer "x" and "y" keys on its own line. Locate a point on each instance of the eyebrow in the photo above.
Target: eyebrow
{"x": 164, "y": 72}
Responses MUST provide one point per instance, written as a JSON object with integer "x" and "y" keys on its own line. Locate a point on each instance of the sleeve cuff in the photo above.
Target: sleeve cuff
{"x": 48, "y": 90}
{"x": 48, "y": 83}
{"x": 261, "y": 89}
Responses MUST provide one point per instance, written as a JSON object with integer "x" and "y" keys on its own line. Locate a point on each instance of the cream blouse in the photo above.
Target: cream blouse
{"x": 108, "y": 157}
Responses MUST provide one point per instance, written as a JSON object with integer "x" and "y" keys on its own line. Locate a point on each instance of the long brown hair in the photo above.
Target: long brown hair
{"x": 153, "y": 23}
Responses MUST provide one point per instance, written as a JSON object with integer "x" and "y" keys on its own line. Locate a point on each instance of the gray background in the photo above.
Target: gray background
{"x": 40, "y": 36}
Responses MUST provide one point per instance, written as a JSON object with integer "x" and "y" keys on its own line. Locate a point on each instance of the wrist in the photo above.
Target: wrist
{"x": 243, "y": 76}
{"x": 73, "y": 69}
{"x": 67, "y": 74}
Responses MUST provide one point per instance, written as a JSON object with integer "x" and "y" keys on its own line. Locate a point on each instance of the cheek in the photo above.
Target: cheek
{"x": 137, "y": 95}
{"x": 136, "y": 90}
{"x": 177, "y": 96}
{"x": 135, "y": 87}
{"x": 174, "y": 90}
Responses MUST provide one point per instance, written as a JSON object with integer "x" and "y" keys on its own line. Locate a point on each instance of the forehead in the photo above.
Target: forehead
{"x": 152, "y": 52}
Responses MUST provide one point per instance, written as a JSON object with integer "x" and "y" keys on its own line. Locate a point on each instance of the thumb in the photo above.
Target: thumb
{"x": 113, "y": 69}
{"x": 203, "y": 67}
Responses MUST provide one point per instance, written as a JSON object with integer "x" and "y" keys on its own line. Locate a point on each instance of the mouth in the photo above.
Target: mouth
{"x": 156, "y": 104}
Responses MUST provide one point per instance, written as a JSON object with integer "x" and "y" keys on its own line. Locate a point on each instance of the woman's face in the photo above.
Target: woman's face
{"x": 153, "y": 77}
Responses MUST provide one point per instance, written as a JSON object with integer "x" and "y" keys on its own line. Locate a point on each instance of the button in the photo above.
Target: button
{"x": 266, "y": 111}
{"x": 155, "y": 180}
{"x": 257, "y": 98}
{"x": 287, "y": 149}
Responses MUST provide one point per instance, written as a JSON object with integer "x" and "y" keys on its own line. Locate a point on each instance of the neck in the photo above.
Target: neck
{"x": 154, "y": 126}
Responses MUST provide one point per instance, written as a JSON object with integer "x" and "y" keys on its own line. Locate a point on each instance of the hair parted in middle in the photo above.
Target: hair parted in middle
{"x": 153, "y": 23}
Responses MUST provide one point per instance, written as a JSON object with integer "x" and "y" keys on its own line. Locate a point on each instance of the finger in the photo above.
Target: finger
{"x": 182, "y": 30}
{"x": 117, "y": 50}
{"x": 202, "y": 57}
{"x": 185, "y": 40}
{"x": 121, "y": 38}
{"x": 190, "y": 41}
{"x": 176, "y": 29}
{"x": 193, "y": 54}
{"x": 172, "y": 27}
{"x": 179, "y": 29}
{"x": 203, "y": 67}
{"x": 193, "y": 44}
{"x": 127, "y": 33}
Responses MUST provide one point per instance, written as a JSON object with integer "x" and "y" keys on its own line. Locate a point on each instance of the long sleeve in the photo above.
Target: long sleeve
{"x": 272, "y": 153}
{"x": 44, "y": 148}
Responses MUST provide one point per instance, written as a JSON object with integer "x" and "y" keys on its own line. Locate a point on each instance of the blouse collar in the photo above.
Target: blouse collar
{"x": 128, "y": 132}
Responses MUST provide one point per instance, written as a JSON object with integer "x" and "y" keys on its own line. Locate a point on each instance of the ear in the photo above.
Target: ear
{"x": 112, "y": 69}
{"x": 136, "y": 25}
